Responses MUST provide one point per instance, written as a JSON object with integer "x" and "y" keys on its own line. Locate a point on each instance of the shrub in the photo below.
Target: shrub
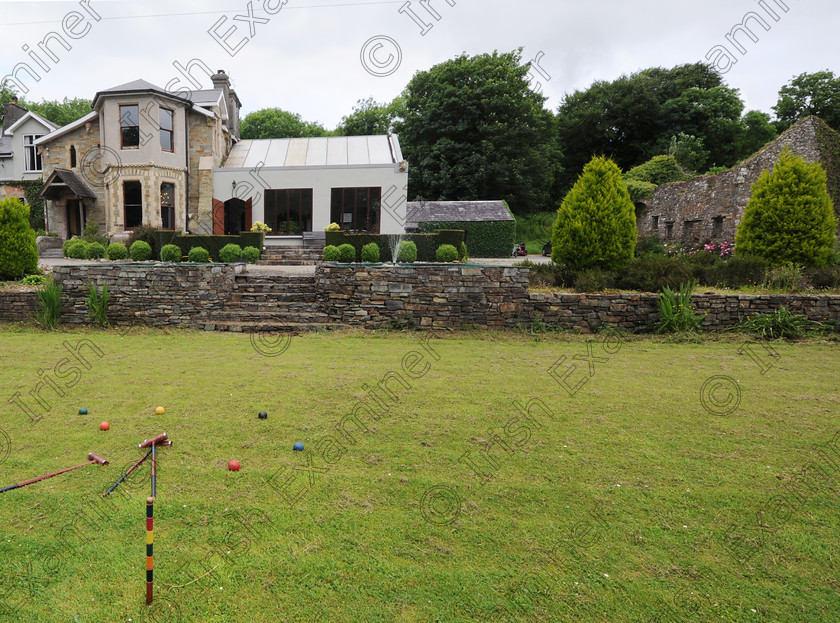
{"x": 407, "y": 252}
{"x": 658, "y": 170}
{"x": 639, "y": 190}
{"x": 741, "y": 270}
{"x": 463, "y": 254}
{"x": 790, "y": 217}
{"x": 370, "y": 253}
{"x": 230, "y": 253}
{"x": 333, "y": 227}
{"x": 199, "y": 254}
{"x": 213, "y": 244}
{"x": 596, "y": 223}
{"x": 486, "y": 238}
{"x": 676, "y": 313}
{"x": 18, "y": 249}
{"x": 347, "y": 253}
{"x": 117, "y": 251}
{"x": 148, "y": 235}
{"x": 446, "y": 253}
{"x": 788, "y": 278}
{"x": 95, "y": 251}
{"x": 651, "y": 275}
{"x": 259, "y": 226}
{"x": 91, "y": 234}
{"x": 331, "y": 253}
{"x": 170, "y": 253}
{"x": 251, "y": 254}
{"x": 98, "y": 304}
{"x": 65, "y": 246}
{"x": 77, "y": 249}
{"x": 593, "y": 280}
{"x": 650, "y": 245}
{"x": 779, "y": 324}
{"x": 819, "y": 278}
{"x": 140, "y": 251}
{"x": 49, "y": 300}
{"x": 34, "y": 280}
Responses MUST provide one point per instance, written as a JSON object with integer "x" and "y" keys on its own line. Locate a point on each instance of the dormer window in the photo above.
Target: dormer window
{"x": 130, "y": 126}
{"x": 166, "y": 135}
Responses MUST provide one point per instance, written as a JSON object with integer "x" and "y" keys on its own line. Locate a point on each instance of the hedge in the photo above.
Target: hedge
{"x": 427, "y": 244}
{"x": 213, "y": 244}
{"x": 484, "y": 238}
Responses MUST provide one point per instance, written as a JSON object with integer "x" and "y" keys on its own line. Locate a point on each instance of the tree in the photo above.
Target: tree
{"x": 473, "y": 129}
{"x": 688, "y": 151}
{"x": 18, "y": 250}
{"x": 278, "y": 123}
{"x": 60, "y": 113}
{"x": 368, "y": 118}
{"x": 596, "y": 223}
{"x": 757, "y": 131}
{"x": 790, "y": 217}
{"x": 809, "y": 94}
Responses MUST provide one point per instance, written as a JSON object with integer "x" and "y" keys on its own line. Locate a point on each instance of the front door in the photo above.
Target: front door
{"x": 75, "y": 218}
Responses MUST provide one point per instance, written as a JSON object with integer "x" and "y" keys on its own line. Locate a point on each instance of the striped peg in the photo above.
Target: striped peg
{"x": 150, "y": 539}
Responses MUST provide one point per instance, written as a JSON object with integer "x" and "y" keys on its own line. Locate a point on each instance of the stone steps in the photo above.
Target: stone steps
{"x": 269, "y": 303}
{"x": 273, "y": 327}
{"x": 291, "y": 256}
{"x": 51, "y": 253}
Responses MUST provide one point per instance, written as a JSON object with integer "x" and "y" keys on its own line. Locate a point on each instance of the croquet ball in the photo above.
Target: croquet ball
{"x": 262, "y": 415}
{"x": 83, "y": 411}
{"x": 233, "y": 465}
{"x": 160, "y": 410}
{"x": 298, "y": 447}
{"x": 104, "y": 426}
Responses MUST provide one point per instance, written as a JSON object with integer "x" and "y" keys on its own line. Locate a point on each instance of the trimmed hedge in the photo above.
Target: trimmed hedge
{"x": 199, "y": 254}
{"x": 140, "y": 251}
{"x": 427, "y": 244}
{"x": 170, "y": 253}
{"x": 213, "y": 244}
{"x": 117, "y": 251}
{"x": 485, "y": 238}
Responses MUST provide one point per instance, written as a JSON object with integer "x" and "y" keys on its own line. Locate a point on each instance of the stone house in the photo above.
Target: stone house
{"x": 19, "y": 159}
{"x": 710, "y": 207}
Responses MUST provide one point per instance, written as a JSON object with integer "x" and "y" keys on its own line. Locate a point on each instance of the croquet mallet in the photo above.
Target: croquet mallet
{"x": 93, "y": 459}
{"x": 159, "y": 440}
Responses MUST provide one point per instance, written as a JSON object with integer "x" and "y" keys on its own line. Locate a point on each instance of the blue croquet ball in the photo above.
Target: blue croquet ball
{"x": 82, "y": 411}
{"x": 298, "y": 447}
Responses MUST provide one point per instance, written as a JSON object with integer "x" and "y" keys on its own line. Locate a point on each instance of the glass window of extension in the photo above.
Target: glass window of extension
{"x": 130, "y": 126}
{"x": 133, "y": 204}
{"x": 288, "y": 211}
{"x": 31, "y": 156}
{"x": 356, "y": 209}
{"x": 166, "y": 135}
{"x": 167, "y": 206}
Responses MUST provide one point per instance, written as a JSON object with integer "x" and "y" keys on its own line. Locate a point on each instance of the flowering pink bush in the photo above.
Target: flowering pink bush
{"x": 724, "y": 249}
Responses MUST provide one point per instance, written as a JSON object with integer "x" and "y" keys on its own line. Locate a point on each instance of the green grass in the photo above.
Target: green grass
{"x": 617, "y": 506}
{"x": 535, "y": 230}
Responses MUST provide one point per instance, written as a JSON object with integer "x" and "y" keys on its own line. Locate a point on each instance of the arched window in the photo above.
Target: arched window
{"x": 72, "y": 156}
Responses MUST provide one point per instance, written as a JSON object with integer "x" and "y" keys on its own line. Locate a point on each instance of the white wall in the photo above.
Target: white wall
{"x": 18, "y": 165}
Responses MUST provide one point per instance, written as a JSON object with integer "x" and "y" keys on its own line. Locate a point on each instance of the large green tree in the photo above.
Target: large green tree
{"x": 473, "y": 129}
{"x": 60, "y": 112}
{"x": 18, "y": 250}
{"x": 790, "y": 217}
{"x": 809, "y": 94}
{"x": 278, "y": 123}
{"x": 369, "y": 118}
{"x": 596, "y": 223}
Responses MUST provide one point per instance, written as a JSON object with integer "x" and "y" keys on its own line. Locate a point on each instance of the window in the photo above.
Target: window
{"x": 166, "y": 124}
{"x": 167, "y": 206}
{"x": 356, "y": 209}
{"x": 130, "y": 126}
{"x": 133, "y": 203}
{"x": 30, "y": 152}
{"x": 655, "y": 224}
{"x": 289, "y": 211}
{"x": 72, "y": 156}
{"x": 717, "y": 227}
{"x": 669, "y": 230}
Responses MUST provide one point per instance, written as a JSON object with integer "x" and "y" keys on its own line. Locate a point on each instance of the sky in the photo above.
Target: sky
{"x": 318, "y": 57}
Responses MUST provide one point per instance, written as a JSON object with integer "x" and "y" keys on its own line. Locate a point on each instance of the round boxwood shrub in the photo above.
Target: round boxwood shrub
{"x": 18, "y": 249}
{"x": 199, "y": 254}
{"x": 170, "y": 253}
{"x": 251, "y": 254}
{"x": 117, "y": 251}
{"x": 407, "y": 252}
{"x": 331, "y": 253}
{"x": 230, "y": 253}
{"x": 348, "y": 253}
{"x": 140, "y": 251}
{"x": 65, "y": 246}
{"x": 77, "y": 249}
{"x": 370, "y": 253}
{"x": 446, "y": 253}
{"x": 95, "y": 251}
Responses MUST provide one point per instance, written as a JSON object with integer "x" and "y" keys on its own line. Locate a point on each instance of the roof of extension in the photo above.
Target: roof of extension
{"x": 459, "y": 211}
{"x": 327, "y": 151}
{"x": 62, "y": 181}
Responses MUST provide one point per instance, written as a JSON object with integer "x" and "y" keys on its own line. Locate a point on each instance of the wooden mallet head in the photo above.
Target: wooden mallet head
{"x": 95, "y": 458}
{"x": 153, "y": 441}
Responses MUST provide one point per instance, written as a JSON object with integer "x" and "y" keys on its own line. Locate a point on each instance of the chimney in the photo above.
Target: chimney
{"x": 222, "y": 81}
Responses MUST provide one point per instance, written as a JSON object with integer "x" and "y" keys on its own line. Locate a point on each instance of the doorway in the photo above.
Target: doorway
{"x": 234, "y": 217}
{"x": 76, "y": 217}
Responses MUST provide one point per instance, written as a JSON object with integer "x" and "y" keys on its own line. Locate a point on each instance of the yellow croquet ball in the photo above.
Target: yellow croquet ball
{"x": 160, "y": 410}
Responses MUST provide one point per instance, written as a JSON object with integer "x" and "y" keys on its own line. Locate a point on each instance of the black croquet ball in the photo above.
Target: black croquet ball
{"x": 262, "y": 415}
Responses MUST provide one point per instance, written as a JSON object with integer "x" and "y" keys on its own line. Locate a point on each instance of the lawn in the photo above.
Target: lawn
{"x": 634, "y": 490}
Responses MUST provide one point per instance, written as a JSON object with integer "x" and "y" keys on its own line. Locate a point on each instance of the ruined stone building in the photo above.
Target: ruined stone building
{"x": 710, "y": 207}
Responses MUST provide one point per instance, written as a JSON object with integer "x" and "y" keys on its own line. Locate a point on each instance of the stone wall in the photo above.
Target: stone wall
{"x": 18, "y": 306}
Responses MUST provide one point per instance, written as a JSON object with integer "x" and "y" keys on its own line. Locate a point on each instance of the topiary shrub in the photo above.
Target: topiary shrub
{"x": 790, "y": 217}
{"x": 170, "y": 253}
{"x": 331, "y": 253}
{"x": 596, "y": 223}
{"x": 251, "y": 254}
{"x": 117, "y": 251}
{"x": 370, "y": 253}
{"x": 446, "y": 253}
{"x": 140, "y": 251}
{"x": 199, "y": 254}
{"x": 77, "y": 249}
{"x": 18, "y": 249}
{"x": 95, "y": 251}
{"x": 463, "y": 255}
{"x": 407, "y": 252}
{"x": 230, "y": 253}
{"x": 148, "y": 235}
{"x": 348, "y": 253}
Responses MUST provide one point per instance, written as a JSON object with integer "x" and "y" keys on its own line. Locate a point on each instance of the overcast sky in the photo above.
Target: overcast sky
{"x": 318, "y": 57}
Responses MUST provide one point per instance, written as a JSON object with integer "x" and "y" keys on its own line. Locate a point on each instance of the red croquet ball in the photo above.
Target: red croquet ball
{"x": 104, "y": 426}
{"x": 233, "y": 465}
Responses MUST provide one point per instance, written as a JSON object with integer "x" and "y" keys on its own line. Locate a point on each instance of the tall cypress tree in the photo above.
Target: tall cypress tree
{"x": 790, "y": 217}
{"x": 596, "y": 223}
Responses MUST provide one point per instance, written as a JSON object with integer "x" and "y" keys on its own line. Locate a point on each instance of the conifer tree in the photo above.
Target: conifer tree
{"x": 596, "y": 223}
{"x": 790, "y": 217}
{"x": 18, "y": 250}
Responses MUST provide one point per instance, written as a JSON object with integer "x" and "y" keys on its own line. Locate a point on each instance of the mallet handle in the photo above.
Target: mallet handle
{"x": 45, "y": 476}
{"x": 125, "y": 475}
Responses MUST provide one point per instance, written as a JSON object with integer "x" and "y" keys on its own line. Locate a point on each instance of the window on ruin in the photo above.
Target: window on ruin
{"x": 669, "y": 230}
{"x": 288, "y": 211}
{"x": 655, "y": 222}
{"x": 689, "y": 233}
{"x": 166, "y": 133}
{"x": 133, "y": 204}
{"x": 717, "y": 227}
{"x": 72, "y": 156}
{"x": 167, "y": 205}
{"x": 356, "y": 209}
{"x": 130, "y": 126}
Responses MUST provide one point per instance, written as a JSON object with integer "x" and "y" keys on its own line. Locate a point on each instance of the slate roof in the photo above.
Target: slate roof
{"x": 326, "y": 151}
{"x": 5, "y": 145}
{"x": 60, "y": 181}
{"x": 458, "y": 211}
